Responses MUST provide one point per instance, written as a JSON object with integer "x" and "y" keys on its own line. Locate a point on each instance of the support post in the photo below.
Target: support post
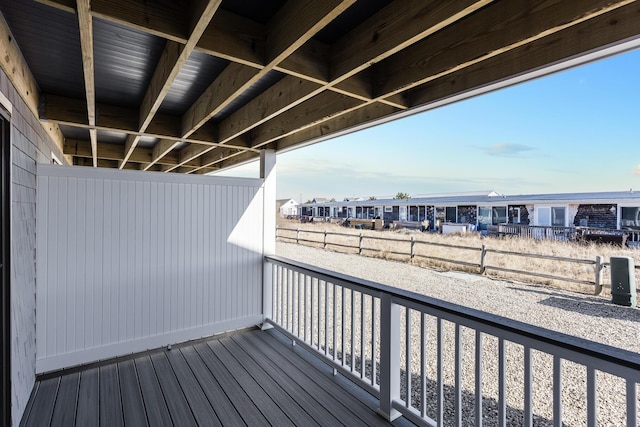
{"x": 389, "y": 357}
{"x": 268, "y": 174}
{"x": 413, "y": 243}
{"x": 599, "y": 270}
{"x": 483, "y": 256}
{"x": 297, "y": 236}
{"x": 324, "y": 241}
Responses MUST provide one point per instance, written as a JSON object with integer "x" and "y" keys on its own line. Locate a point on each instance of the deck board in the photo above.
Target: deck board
{"x": 88, "y": 412}
{"x": 64, "y": 412}
{"x": 157, "y": 411}
{"x": 251, "y": 377}
{"x": 173, "y": 395}
{"x": 111, "y": 407}
{"x": 132, "y": 405}
{"x": 200, "y": 406}
{"x": 217, "y": 397}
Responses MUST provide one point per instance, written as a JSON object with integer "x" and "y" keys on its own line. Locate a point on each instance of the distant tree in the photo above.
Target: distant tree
{"x": 373, "y": 198}
{"x": 333, "y": 199}
{"x": 308, "y": 202}
{"x": 401, "y": 195}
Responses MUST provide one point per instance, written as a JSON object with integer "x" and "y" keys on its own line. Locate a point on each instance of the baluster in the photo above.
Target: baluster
{"x": 632, "y": 409}
{"x": 362, "y": 335}
{"x": 440, "y": 376}
{"x": 557, "y": 391}
{"x": 458, "y": 375}
{"x": 478, "y": 379}
{"x": 528, "y": 392}
{"x": 592, "y": 414}
{"x": 423, "y": 373}
{"x": 407, "y": 355}
{"x": 502, "y": 384}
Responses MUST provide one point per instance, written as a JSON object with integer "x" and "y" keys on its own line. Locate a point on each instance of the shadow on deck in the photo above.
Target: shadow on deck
{"x": 246, "y": 378}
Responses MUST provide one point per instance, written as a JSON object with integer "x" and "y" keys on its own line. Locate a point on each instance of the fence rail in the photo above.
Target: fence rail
{"x": 360, "y": 239}
{"x": 408, "y": 350}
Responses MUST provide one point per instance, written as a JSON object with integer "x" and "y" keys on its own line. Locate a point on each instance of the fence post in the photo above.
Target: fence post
{"x": 389, "y": 357}
{"x": 277, "y": 228}
{"x": 413, "y": 242}
{"x": 599, "y": 271}
{"x": 360, "y": 245}
{"x": 324, "y": 241}
{"x": 297, "y": 236}
{"x": 483, "y": 256}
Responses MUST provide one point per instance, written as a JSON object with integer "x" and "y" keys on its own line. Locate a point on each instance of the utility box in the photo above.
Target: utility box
{"x": 623, "y": 281}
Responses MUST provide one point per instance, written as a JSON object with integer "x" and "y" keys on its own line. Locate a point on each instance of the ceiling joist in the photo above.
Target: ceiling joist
{"x": 403, "y": 55}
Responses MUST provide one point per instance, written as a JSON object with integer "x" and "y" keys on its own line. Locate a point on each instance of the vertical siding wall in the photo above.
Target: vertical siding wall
{"x": 29, "y": 144}
{"x": 129, "y": 261}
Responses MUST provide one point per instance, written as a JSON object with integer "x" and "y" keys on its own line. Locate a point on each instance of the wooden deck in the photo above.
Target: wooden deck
{"x": 251, "y": 378}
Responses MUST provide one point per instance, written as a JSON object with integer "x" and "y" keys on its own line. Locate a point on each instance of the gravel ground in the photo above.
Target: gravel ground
{"x": 590, "y": 317}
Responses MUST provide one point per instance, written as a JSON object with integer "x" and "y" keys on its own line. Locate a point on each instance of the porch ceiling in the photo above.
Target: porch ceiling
{"x": 194, "y": 86}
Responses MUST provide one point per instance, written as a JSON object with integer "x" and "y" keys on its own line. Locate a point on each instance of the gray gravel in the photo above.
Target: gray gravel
{"x": 590, "y": 317}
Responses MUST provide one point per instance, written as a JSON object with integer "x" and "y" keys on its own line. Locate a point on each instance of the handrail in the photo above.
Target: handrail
{"x": 327, "y": 300}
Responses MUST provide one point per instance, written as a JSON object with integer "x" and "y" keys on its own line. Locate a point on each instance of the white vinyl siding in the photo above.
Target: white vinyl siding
{"x": 129, "y": 261}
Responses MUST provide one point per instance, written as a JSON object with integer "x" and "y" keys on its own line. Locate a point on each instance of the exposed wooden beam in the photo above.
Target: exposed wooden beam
{"x": 292, "y": 26}
{"x": 516, "y": 23}
{"x": 15, "y": 67}
{"x": 172, "y": 60}
{"x": 621, "y": 24}
{"x": 160, "y": 150}
{"x": 72, "y": 112}
{"x": 407, "y": 25}
{"x": 82, "y": 148}
{"x": 394, "y": 28}
{"x": 318, "y": 109}
{"x": 232, "y": 82}
{"x": 85, "y": 23}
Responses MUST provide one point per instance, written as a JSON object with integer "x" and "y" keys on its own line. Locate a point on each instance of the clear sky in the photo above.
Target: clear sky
{"x": 574, "y": 131}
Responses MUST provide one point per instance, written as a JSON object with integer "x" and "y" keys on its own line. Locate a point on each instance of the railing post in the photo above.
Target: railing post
{"x": 389, "y": 357}
{"x": 297, "y": 236}
{"x": 413, "y": 242}
{"x": 483, "y": 256}
{"x": 599, "y": 271}
{"x": 267, "y": 292}
{"x": 360, "y": 244}
{"x": 324, "y": 242}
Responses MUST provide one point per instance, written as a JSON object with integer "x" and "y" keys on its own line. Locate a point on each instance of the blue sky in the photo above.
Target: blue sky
{"x": 574, "y": 131}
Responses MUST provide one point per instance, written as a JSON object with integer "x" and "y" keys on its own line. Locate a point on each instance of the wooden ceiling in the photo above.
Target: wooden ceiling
{"x": 296, "y": 74}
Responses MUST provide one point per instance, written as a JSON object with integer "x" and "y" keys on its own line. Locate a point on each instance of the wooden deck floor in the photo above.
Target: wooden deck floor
{"x": 248, "y": 378}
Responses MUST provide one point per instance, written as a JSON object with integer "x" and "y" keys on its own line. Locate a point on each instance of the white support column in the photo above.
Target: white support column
{"x": 389, "y": 357}
{"x": 268, "y": 173}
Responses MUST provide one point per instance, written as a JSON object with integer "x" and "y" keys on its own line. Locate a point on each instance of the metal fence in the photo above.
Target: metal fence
{"x": 412, "y": 353}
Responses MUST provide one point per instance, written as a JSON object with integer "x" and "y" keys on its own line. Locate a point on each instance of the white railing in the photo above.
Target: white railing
{"x": 435, "y": 362}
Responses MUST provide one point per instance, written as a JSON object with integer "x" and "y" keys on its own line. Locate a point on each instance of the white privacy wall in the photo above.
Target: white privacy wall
{"x": 128, "y": 261}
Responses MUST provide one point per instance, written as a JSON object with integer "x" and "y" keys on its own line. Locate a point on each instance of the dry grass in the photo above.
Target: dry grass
{"x": 398, "y": 247}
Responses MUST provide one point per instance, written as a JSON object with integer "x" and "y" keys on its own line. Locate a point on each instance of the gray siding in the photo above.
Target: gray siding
{"x": 29, "y": 144}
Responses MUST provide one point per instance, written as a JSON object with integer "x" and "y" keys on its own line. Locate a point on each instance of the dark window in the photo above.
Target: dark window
{"x": 630, "y": 217}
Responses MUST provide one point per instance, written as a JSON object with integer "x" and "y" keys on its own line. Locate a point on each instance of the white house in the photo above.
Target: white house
{"x": 287, "y": 207}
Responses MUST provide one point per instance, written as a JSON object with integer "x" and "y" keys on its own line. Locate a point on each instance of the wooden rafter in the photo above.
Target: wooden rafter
{"x": 407, "y": 54}
{"x": 85, "y": 23}
{"x": 173, "y": 58}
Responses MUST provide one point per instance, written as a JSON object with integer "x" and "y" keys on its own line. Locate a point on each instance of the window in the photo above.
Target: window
{"x": 630, "y": 217}
{"x": 557, "y": 216}
{"x": 551, "y": 215}
{"x": 388, "y": 209}
{"x": 488, "y": 215}
{"x": 451, "y": 214}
